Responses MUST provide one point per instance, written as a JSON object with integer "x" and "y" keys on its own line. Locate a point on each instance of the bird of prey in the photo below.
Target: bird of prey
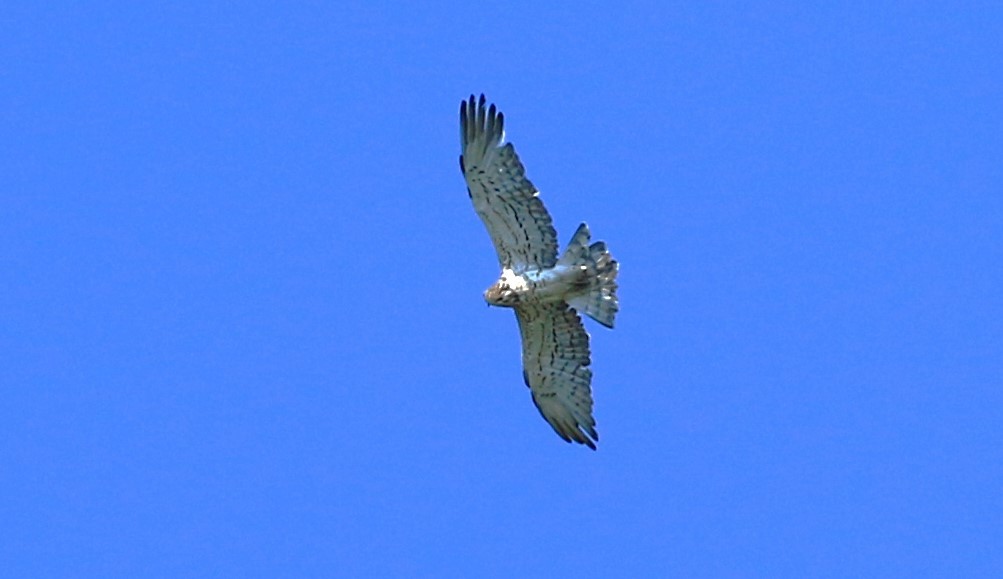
{"x": 547, "y": 291}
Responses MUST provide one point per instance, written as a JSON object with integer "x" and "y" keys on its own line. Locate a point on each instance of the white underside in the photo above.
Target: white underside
{"x": 544, "y": 285}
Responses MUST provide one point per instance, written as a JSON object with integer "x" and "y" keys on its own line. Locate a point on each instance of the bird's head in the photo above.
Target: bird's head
{"x": 501, "y": 294}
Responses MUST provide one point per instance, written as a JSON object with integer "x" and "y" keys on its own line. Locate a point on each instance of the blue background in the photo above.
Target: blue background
{"x": 241, "y": 323}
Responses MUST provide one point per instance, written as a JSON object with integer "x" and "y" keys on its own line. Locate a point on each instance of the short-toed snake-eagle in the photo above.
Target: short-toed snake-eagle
{"x": 547, "y": 292}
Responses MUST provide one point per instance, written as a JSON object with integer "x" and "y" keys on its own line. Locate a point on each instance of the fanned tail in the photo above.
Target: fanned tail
{"x": 599, "y": 299}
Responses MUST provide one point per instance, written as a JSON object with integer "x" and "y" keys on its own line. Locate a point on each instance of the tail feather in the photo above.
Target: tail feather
{"x": 599, "y": 300}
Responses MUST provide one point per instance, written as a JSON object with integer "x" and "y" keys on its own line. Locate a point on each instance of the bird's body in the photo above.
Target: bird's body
{"x": 546, "y": 292}
{"x": 553, "y": 284}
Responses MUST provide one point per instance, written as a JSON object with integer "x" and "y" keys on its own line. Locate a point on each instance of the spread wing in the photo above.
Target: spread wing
{"x": 555, "y": 360}
{"x": 508, "y": 204}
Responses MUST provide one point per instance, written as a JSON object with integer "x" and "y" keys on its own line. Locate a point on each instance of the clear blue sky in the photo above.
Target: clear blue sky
{"x": 241, "y": 323}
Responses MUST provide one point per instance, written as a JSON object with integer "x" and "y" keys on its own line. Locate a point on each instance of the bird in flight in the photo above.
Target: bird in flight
{"x": 547, "y": 291}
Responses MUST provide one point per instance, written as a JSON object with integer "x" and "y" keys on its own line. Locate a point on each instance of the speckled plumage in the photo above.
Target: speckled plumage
{"x": 546, "y": 293}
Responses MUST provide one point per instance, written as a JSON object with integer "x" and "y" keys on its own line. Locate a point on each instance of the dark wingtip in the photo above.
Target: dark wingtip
{"x": 465, "y": 106}
{"x": 463, "y": 121}
{"x": 475, "y": 106}
{"x": 584, "y": 437}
